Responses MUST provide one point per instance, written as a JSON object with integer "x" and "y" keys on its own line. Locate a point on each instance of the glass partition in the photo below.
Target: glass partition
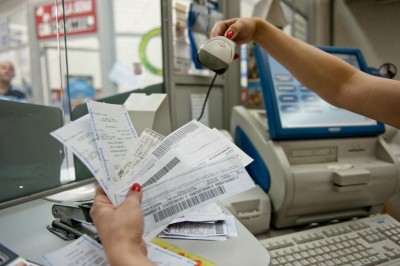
{"x": 54, "y": 55}
{"x": 31, "y": 161}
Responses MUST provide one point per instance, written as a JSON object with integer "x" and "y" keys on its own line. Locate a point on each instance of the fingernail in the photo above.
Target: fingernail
{"x": 229, "y": 34}
{"x": 136, "y": 187}
{"x": 235, "y": 56}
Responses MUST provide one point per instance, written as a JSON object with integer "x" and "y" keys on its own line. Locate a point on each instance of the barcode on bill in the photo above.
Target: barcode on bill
{"x": 162, "y": 172}
{"x": 174, "y": 138}
{"x": 188, "y": 203}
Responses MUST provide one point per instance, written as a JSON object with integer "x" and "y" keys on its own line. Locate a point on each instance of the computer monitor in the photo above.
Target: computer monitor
{"x": 295, "y": 112}
{"x": 30, "y": 159}
{"x": 32, "y": 162}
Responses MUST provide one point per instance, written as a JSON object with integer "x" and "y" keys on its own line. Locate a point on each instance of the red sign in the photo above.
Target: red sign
{"x": 80, "y": 18}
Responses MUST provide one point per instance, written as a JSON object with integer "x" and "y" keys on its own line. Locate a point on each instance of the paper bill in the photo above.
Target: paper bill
{"x": 78, "y": 136}
{"x": 176, "y": 195}
{"x": 142, "y": 146}
{"x": 216, "y": 231}
{"x": 196, "y": 229}
{"x": 207, "y": 229}
{"x": 178, "y": 250}
{"x": 114, "y": 133}
{"x": 163, "y": 257}
{"x": 81, "y": 252}
{"x": 231, "y": 226}
{"x": 210, "y": 213}
{"x": 202, "y": 146}
{"x": 86, "y": 251}
{"x": 159, "y": 153}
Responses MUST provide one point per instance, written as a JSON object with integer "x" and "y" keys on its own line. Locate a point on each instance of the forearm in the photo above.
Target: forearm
{"x": 315, "y": 69}
{"x": 336, "y": 81}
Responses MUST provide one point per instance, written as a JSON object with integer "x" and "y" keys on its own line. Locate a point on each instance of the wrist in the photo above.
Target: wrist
{"x": 261, "y": 30}
{"x": 128, "y": 254}
{"x": 258, "y": 25}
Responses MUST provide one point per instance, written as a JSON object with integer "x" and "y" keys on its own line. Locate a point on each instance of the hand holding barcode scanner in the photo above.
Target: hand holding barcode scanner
{"x": 216, "y": 54}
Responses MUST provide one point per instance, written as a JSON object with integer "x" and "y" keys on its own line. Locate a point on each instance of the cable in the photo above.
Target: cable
{"x": 205, "y": 100}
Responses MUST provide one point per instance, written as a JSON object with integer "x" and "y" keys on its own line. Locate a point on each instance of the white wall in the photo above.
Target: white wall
{"x": 133, "y": 19}
{"x": 371, "y": 26}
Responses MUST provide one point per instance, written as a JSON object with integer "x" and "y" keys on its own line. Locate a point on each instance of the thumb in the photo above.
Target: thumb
{"x": 135, "y": 193}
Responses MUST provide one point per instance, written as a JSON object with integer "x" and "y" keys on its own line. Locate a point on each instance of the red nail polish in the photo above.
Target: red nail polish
{"x": 229, "y": 34}
{"x": 235, "y": 56}
{"x": 136, "y": 187}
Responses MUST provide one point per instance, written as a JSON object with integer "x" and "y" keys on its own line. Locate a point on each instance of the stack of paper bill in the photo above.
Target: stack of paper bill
{"x": 207, "y": 223}
{"x": 184, "y": 171}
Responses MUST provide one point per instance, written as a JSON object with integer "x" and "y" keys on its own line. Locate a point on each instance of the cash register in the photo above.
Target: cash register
{"x": 317, "y": 163}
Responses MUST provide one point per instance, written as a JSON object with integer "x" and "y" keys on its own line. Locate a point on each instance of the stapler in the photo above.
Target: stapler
{"x": 72, "y": 221}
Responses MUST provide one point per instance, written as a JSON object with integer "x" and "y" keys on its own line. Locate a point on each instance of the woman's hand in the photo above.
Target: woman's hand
{"x": 121, "y": 228}
{"x": 240, "y": 30}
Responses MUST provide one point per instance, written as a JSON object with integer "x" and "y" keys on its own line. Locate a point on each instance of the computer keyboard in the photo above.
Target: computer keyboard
{"x": 374, "y": 240}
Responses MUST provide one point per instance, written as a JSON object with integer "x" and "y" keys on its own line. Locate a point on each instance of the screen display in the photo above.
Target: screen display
{"x": 294, "y": 111}
{"x": 301, "y": 107}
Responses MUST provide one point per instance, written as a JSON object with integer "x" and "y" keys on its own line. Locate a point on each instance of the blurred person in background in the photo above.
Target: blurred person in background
{"x": 7, "y": 90}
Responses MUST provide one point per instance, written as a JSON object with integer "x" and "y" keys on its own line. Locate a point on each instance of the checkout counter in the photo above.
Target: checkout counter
{"x": 23, "y": 230}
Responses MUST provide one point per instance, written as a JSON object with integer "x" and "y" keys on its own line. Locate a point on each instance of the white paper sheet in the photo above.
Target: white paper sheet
{"x": 201, "y": 146}
{"x": 78, "y": 136}
{"x": 142, "y": 146}
{"x": 207, "y": 146}
{"x": 114, "y": 133}
{"x": 158, "y": 155}
{"x": 176, "y": 195}
{"x": 194, "y": 225}
{"x": 231, "y": 226}
{"x": 193, "y": 229}
{"x": 202, "y": 231}
{"x": 81, "y": 252}
{"x": 212, "y": 212}
{"x": 85, "y": 251}
{"x": 191, "y": 145}
{"x": 163, "y": 257}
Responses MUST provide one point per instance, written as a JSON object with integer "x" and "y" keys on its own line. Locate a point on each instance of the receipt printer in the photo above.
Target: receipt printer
{"x": 252, "y": 208}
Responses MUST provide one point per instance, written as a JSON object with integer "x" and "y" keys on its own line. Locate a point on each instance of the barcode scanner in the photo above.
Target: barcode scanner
{"x": 216, "y": 54}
